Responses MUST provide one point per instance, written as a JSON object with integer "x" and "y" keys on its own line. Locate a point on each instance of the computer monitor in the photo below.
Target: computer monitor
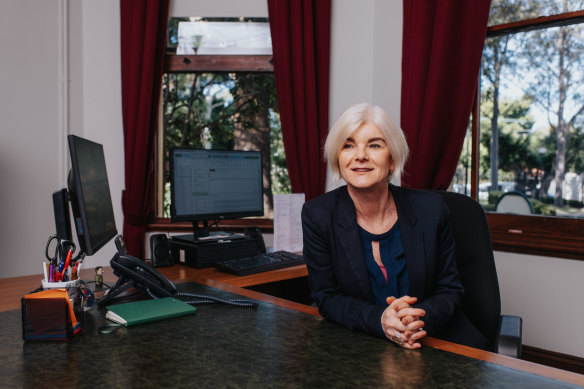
{"x": 213, "y": 185}
{"x": 89, "y": 194}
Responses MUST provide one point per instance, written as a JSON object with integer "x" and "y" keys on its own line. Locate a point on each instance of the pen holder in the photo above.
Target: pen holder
{"x": 52, "y": 318}
{"x": 57, "y": 285}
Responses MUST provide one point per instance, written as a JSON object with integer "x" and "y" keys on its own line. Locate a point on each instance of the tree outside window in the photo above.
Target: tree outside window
{"x": 224, "y": 104}
{"x": 531, "y": 110}
{"x": 523, "y": 157}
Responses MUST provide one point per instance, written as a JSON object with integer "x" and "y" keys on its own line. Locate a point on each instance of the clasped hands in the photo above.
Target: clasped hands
{"x": 401, "y": 322}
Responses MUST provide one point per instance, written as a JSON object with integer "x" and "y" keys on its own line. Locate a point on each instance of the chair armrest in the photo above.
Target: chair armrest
{"x": 508, "y": 340}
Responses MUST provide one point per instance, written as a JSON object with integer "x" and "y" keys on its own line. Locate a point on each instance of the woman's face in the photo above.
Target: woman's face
{"x": 365, "y": 160}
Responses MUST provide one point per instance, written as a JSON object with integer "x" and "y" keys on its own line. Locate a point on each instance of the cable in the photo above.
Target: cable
{"x": 200, "y": 299}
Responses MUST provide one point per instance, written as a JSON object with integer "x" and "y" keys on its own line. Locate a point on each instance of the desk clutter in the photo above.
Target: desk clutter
{"x": 52, "y": 314}
{"x": 239, "y": 254}
{"x": 55, "y": 311}
{"x": 61, "y": 270}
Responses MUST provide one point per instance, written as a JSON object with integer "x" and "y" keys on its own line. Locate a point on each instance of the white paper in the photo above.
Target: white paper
{"x": 287, "y": 222}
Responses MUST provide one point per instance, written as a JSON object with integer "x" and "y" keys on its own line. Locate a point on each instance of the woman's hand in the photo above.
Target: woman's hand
{"x": 401, "y": 322}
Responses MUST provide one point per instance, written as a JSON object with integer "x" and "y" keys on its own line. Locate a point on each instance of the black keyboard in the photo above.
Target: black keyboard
{"x": 260, "y": 263}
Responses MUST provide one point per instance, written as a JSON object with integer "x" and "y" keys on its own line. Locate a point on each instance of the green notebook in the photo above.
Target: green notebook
{"x": 129, "y": 314}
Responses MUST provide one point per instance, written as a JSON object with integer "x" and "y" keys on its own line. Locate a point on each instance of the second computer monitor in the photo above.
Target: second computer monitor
{"x": 90, "y": 196}
{"x": 214, "y": 185}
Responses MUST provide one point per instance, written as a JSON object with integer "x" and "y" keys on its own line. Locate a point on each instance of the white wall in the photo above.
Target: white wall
{"x": 215, "y": 8}
{"x": 547, "y": 293}
{"x": 95, "y": 109}
{"x": 365, "y": 59}
{"x": 36, "y": 113}
{"x": 30, "y": 128}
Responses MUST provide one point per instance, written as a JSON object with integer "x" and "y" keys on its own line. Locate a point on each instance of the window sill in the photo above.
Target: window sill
{"x": 534, "y": 235}
{"x": 165, "y": 225}
{"x": 537, "y": 235}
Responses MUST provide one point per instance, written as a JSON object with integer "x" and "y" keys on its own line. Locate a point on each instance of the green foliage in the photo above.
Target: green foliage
{"x": 494, "y": 197}
{"x": 514, "y": 125}
{"x": 540, "y": 208}
{"x": 280, "y": 178}
{"x": 506, "y": 11}
{"x": 203, "y": 110}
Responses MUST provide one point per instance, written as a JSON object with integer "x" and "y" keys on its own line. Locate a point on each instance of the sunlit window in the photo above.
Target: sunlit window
{"x": 531, "y": 122}
{"x": 223, "y": 104}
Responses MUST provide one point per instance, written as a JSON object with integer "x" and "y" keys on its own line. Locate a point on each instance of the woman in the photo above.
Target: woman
{"x": 380, "y": 257}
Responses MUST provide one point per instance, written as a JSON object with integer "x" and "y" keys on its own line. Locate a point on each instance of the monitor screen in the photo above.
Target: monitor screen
{"x": 89, "y": 192}
{"x": 213, "y": 185}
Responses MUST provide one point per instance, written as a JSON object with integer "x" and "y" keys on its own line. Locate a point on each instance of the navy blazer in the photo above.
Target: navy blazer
{"x": 337, "y": 273}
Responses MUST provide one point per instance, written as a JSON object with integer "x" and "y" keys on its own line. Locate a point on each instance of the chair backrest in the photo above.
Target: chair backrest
{"x": 475, "y": 262}
{"x": 514, "y": 202}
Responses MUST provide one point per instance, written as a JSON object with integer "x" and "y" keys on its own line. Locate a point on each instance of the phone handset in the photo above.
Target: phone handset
{"x": 133, "y": 272}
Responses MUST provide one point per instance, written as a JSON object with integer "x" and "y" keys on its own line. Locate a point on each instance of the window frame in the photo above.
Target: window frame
{"x": 535, "y": 235}
{"x": 174, "y": 63}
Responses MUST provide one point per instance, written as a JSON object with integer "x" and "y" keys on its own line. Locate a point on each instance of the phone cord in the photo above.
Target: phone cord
{"x": 199, "y": 299}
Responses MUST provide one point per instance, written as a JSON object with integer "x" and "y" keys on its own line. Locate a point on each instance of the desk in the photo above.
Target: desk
{"x": 279, "y": 344}
{"x": 12, "y": 289}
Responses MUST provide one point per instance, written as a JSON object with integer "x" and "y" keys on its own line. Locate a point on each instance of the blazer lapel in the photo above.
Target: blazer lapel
{"x": 413, "y": 241}
{"x": 348, "y": 234}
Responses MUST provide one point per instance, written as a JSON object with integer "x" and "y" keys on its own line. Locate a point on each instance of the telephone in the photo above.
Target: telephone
{"x": 133, "y": 272}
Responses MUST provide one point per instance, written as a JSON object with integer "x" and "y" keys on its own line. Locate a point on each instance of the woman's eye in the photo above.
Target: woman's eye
{"x": 375, "y": 145}
{"x": 347, "y": 146}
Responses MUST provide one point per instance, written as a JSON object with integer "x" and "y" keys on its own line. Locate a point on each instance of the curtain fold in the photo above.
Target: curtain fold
{"x": 442, "y": 48}
{"x": 143, "y": 41}
{"x": 300, "y": 31}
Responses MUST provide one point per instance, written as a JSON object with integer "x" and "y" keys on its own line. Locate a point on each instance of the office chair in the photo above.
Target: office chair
{"x": 476, "y": 265}
{"x": 514, "y": 202}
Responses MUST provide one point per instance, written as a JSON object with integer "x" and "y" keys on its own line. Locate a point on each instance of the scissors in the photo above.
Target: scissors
{"x": 62, "y": 249}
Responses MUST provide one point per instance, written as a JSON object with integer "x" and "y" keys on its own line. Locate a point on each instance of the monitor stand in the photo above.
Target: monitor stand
{"x": 201, "y": 234}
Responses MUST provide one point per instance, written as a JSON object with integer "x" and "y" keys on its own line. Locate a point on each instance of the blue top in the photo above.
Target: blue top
{"x": 393, "y": 258}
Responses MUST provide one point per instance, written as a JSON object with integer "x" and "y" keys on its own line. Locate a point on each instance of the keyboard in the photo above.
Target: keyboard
{"x": 260, "y": 263}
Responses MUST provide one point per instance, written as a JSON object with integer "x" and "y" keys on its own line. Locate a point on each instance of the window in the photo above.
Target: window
{"x": 218, "y": 92}
{"x": 523, "y": 158}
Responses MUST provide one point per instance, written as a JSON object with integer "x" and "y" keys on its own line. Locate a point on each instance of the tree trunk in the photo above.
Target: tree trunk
{"x": 494, "y": 157}
{"x": 254, "y": 136}
{"x": 561, "y": 129}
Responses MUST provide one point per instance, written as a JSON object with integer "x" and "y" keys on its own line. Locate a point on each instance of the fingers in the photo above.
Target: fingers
{"x": 406, "y": 320}
{"x": 415, "y": 325}
{"x": 402, "y": 302}
{"x": 407, "y": 299}
{"x": 410, "y": 312}
{"x": 390, "y": 300}
{"x": 417, "y": 335}
{"x": 407, "y": 342}
{"x": 390, "y": 322}
{"x": 412, "y": 345}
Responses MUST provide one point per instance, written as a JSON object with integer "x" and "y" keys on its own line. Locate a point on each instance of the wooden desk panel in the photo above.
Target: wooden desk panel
{"x": 185, "y": 273}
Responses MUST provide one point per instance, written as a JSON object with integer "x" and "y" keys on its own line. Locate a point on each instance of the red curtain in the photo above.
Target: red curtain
{"x": 143, "y": 40}
{"x": 301, "y": 39}
{"x": 442, "y": 47}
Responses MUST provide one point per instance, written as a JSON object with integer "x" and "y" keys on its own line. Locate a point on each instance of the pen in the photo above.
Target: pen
{"x": 51, "y": 272}
{"x": 67, "y": 260}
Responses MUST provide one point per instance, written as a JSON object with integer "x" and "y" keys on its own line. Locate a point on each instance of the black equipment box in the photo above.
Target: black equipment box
{"x": 206, "y": 254}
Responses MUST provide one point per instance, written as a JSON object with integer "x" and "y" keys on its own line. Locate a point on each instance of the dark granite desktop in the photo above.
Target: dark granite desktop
{"x": 224, "y": 346}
